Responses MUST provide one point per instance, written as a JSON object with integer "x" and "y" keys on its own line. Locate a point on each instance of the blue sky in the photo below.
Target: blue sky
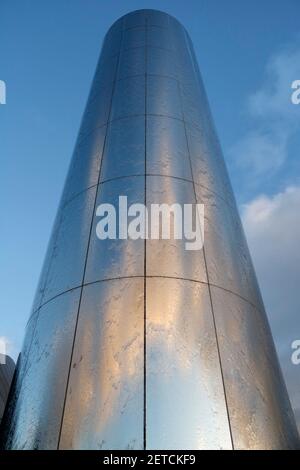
{"x": 248, "y": 52}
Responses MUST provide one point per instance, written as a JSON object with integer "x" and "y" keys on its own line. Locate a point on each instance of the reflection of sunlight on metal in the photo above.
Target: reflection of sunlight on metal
{"x": 108, "y": 364}
{"x": 181, "y": 356}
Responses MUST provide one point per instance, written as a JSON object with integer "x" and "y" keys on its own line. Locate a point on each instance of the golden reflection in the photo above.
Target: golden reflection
{"x": 107, "y": 372}
{"x": 185, "y": 399}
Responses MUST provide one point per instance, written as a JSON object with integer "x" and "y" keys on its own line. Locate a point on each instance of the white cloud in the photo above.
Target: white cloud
{"x": 272, "y": 226}
{"x": 260, "y": 152}
{"x": 275, "y": 119}
{"x": 273, "y": 99}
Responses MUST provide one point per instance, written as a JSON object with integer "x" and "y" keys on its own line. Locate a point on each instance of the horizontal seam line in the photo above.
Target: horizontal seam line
{"x": 128, "y": 116}
{"x": 149, "y": 276}
{"x": 145, "y": 174}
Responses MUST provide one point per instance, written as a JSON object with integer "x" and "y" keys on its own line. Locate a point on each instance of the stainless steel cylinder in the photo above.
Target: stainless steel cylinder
{"x": 136, "y": 344}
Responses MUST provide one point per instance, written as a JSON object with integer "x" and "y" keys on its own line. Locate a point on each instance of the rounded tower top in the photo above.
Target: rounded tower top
{"x": 137, "y": 18}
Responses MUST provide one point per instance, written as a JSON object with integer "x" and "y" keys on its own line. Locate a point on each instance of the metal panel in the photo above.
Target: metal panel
{"x": 167, "y": 151}
{"x": 132, "y": 63}
{"x": 169, "y": 257}
{"x": 159, "y": 37}
{"x": 112, "y": 40}
{"x": 163, "y": 97}
{"x": 85, "y": 164}
{"x": 65, "y": 270}
{"x": 38, "y": 410}
{"x": 161, "y": 62}
{"x": 259, "y": 409}
{"x": 25, "y": 358}
{"x": 113, "y": 258}
{"x": 186, "y": 70}
{"x": 135, "y": 18}
{"x": 104, "y": 408}
{"x": 135, "y": 37}
{"x": 44, "y": 272}
{"x": 177, "y": 36}
{"x": 97, "y": 111}
{"x": 157, "y": 18}
{"x": 125, "y": 148}
{"x": 207, "y": 162}
{"x": 191, "y": 95}
{"x": 105, "y": 75}
{"x": 228, "y": 260}
{"x": 129, "y": 97}
{"x": 186, "y": 408}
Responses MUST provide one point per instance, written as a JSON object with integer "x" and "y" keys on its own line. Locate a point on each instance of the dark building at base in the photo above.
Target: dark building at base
{"x": 7, "y": 368}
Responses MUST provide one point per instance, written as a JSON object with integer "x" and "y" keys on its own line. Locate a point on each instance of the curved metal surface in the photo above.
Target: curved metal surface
{"x": 36, "y": 415}
{"x": 104, "y": 407}
{"x": 186, "y": 407}
{"x": 136, "y": 344}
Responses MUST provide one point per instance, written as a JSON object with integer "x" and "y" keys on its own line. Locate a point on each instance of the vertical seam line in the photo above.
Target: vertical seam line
{"x": 40, "y": 303}
{"x": 145, "y": 253}
{"x": 88, "y": 244}
{"x": 206, "y": 269}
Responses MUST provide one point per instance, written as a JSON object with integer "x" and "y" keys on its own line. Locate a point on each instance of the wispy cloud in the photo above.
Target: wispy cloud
{"x": 274, "y": 118}
{"x": 273, "y": 232}
{"x": 260, "y": 151}
{"x": 273, "y": 99}
{"x": 272, "y": 222}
